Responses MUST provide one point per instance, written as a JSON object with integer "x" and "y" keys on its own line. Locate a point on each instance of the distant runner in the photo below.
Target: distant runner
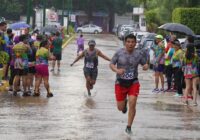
{"x": 57, "y": 51}
{"x": 90, "y": 64}
{"x": 80, "y": 44}
{"x": 125, "y": 64}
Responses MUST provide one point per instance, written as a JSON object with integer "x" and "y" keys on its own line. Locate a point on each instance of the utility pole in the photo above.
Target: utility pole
{"x": 44, "y": 13}
{"x": 29, "y": 11}
{"x": 63, "y": 6}
{"x": 69, "y": 7}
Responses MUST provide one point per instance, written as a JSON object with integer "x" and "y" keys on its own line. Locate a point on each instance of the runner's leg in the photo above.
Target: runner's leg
{"x": 194, "y": 87}
{"x": 156, "y": 79}
{"x": 88, "y": 84}
{"x": 24, "y": 82}
{"x": 38, "y": 80}
{"x": 46, "y": 83}
{"x": 53, "y": 65}
{"x": 16, "y": 82}
{"x": 29, "y": 81}
{"x": 161, "y": 79}
{"x": 58, "y": 64}
{"x": 132, "y": 109}
{"x": 187, "y": 89}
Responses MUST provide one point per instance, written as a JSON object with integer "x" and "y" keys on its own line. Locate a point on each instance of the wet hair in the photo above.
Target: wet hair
{"x": 22, "y": 38}
{"x": 3, "y": 23}
{"x": 130, "y": 36}
{"x": 190, "y": 51}
{"x": 190, "y": 39}
{"x": 57, "y": 33}
{"x": 43, "y": 43}
{"x": 9, "y": 31}
{"x": 39, "y": 37}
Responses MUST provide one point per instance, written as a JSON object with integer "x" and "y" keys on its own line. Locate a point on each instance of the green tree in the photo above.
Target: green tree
{"x": 10, "y": 9}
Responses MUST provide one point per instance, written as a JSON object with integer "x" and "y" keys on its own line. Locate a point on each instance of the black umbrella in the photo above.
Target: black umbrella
{"x": 177, "y": 27}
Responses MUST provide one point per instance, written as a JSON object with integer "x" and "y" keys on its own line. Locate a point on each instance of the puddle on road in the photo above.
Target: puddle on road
{"x": 90, "y": 103}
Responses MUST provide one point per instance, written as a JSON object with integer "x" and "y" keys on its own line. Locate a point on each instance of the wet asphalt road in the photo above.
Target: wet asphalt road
{"x": 71, "y": 115}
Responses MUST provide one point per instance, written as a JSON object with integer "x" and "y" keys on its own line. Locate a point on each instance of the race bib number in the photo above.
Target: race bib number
{"x": 89, "y": 65}
{"x": 18, "y": 63}
{"x": 127, "y": 76}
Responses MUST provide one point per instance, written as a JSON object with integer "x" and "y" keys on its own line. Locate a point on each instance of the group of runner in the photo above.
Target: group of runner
{"x": 27, "y": 60}
{"x": 125, "y": 64}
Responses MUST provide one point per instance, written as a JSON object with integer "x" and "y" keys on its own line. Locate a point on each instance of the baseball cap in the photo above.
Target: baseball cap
{"x": 91, "y": 43}
{"x": 159, "y": 37}
{"x": 176, "y": 42}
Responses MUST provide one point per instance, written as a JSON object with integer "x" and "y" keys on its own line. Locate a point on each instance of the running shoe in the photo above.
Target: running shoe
{"x": 125, "y": 107}
{"x": 185, "y": 103}
{"x": 36, "y": 94}
{"x": 49, "y": 95}
{"x": 178, "y": 95}
{"x": 128, "y": 130}
{"x": 10, "y": 89}
{"x": 89, "y": 93}
{"x": 15, "y": 93}
{"x": 156, "y": 90}
{"x": 194, "y": 104}
{"x": 162, "y": 90}
{"x": 26, "y": 94}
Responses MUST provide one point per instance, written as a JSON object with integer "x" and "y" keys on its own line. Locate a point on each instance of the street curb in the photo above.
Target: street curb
{"x": 67, "y": 42}
{"x": 4, "y": 86}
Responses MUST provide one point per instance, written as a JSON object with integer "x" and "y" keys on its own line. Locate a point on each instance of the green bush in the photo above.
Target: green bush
{"x": 189, "y": 17}
{"x": 152, "y": 19}
{"x": 71, "y": 29}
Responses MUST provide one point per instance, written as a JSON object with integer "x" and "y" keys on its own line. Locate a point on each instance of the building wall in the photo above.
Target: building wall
{"x": 123, "y": 19}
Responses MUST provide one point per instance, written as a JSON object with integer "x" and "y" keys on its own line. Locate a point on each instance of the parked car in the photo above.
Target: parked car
{"x": 120, "y": 28}
{"x": 125, "y": 31}
{"x": 139, "y": 35}
{"x": 146, "y": 37}
{"x": 89, "y": 28}
{"x": 114, "y": 30}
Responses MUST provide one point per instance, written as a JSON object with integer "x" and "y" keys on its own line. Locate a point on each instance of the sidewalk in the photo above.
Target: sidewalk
{"x": 168, "y": 98}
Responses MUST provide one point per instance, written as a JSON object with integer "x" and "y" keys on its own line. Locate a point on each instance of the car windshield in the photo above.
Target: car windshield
{"x": 93, "y": 26}
{"x": 85, "y": 26}
{"x": 148, "y": 43}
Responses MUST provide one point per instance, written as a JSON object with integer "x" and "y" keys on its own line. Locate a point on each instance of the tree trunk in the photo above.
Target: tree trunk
{"x": 111, "y": 20}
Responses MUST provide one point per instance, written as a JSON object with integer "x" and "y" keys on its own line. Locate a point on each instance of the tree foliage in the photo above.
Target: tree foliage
{"x": 189, "y": 17}
{"x": 163, "y": 8}
{"x": 10, "y": 8}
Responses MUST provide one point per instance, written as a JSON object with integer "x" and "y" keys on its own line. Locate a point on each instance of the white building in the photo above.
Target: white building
{"x": 51, "y": 17}
{"x": 123, "y": 19}
{"x": 138, "y": 12}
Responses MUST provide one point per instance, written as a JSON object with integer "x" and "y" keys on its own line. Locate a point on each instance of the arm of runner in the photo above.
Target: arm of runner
{"x": 103, "y": 56}
{"x": 78, "y": 58}
{"x": 144, "y": 61}
{"x": 113, "y": 63}
{"x": 116, "y": 70}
